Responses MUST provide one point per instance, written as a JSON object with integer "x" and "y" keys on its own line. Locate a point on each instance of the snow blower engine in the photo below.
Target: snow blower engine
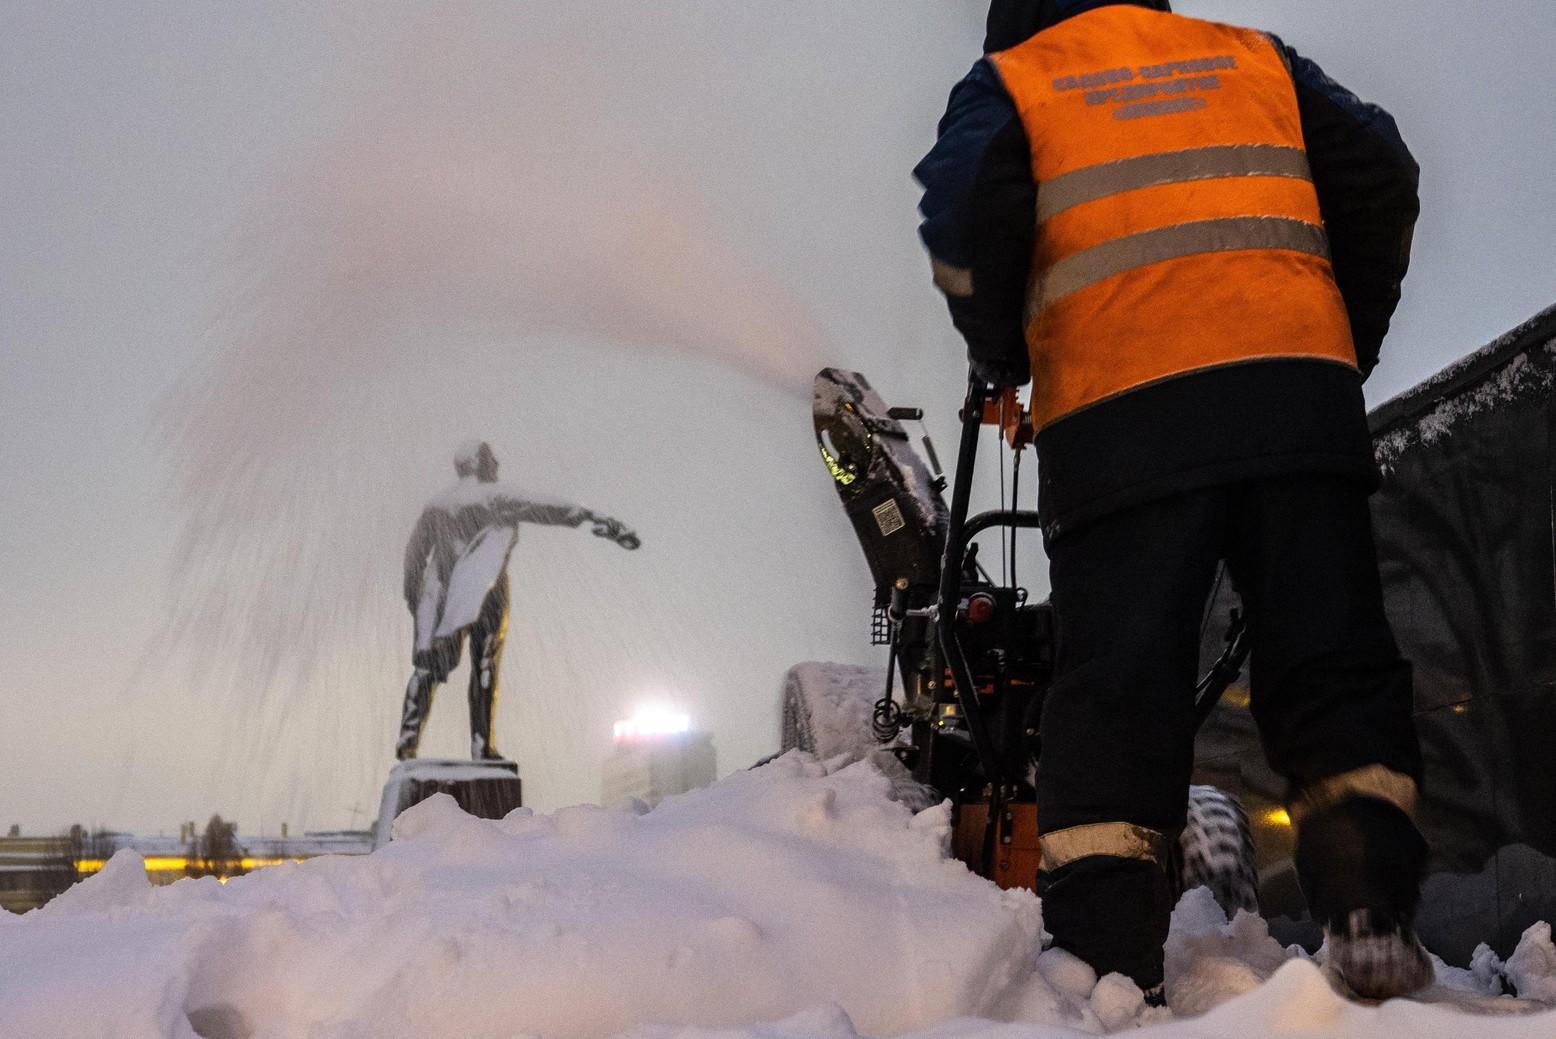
{"x": 973, "y": 655}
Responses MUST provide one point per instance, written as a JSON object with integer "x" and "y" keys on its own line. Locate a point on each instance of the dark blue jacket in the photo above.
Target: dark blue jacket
{"x": 978, "y": 205}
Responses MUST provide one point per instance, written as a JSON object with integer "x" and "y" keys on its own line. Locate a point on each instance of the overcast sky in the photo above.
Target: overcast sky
{"x": 263, "y": 266}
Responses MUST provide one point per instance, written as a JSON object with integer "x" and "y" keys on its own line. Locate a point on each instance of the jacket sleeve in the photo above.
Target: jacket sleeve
{"x": 978, "y": 207}
{"x": 1367, "y": 185}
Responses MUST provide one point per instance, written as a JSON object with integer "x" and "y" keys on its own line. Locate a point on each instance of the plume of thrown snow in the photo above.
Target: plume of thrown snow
{"x": 492, "y": 230}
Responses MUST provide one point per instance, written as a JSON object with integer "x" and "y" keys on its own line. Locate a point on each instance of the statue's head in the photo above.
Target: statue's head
{"x": 475, "y": 458}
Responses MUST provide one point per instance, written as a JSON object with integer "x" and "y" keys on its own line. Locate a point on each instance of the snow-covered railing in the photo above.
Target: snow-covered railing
{"x": 1514, "y": 367}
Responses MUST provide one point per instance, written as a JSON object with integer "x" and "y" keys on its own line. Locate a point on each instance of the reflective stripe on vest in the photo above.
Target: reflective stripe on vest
{"x": 1145, "y": 171}
{"x": 1177, "y": 224}
{"x": 1100, "y": 262}
{"x": 1115, "y": 840}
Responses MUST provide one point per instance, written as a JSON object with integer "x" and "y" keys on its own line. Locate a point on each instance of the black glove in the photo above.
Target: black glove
{"x": 1001, "y": 374}
{"x": 996, "y": 342}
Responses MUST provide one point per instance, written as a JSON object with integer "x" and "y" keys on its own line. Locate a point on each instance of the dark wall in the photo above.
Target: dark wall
{"x": 1465, "y": 534}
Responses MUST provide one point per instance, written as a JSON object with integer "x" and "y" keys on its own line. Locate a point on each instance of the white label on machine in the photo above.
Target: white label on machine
{"x": 888, "y": 517}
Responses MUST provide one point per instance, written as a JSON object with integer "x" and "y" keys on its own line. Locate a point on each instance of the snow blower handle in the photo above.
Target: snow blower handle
{"x": 949, "y": 600}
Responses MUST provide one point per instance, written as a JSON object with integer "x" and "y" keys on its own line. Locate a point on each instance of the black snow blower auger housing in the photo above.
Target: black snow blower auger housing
{"x": 970, "y": 655}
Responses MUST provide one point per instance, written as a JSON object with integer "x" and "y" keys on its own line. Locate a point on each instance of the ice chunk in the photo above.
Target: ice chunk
{"x": 1532, "y": 967}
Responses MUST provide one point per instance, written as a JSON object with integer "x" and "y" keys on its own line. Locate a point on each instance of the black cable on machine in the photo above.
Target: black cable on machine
{"x": 887, "y": 719}
{"x": 1015, "y": 506}
{"x": 999, "y": 433}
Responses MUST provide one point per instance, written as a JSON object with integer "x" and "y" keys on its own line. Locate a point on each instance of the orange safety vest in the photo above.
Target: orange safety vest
{"x": 1177, "y": 224}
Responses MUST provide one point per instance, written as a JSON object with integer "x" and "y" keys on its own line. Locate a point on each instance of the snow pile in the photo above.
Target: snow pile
{"x": 771, "y": 893}
{"x": 1532, "y": 968}
{"x": 793, "y": 901}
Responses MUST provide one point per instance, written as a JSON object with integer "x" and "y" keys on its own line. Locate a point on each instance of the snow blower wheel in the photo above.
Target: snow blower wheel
{"x": 1216, "y": 851}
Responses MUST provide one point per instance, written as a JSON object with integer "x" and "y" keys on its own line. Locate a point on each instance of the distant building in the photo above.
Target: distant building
{"x": 657, "y": 755}
{"x": 35, "y": 869}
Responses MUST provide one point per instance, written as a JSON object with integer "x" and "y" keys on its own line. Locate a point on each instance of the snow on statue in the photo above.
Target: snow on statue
{"x": 456, "y": 580}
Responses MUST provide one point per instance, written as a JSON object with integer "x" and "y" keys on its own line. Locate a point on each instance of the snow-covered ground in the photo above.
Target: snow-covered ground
{"x": 796, "y": 901}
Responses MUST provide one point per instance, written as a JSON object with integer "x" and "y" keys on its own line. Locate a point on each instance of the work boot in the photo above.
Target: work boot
{"x": 1113, "y": 913}
{"x": 1360, "y": 863}
{"x": 1377, "y": 959}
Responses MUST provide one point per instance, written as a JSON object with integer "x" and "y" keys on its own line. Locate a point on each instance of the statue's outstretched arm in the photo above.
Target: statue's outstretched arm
{"x": 553, "y": 512}
{"x": 549, "y": 511}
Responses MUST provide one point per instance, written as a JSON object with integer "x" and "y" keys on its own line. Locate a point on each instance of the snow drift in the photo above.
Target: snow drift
{"x": 794, "y": 900}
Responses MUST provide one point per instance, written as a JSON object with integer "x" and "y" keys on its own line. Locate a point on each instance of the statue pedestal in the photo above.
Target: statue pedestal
{"x": 486, "y": 789}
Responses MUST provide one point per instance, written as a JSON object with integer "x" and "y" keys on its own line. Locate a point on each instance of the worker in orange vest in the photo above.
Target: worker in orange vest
{"x": 1191, "y": 240}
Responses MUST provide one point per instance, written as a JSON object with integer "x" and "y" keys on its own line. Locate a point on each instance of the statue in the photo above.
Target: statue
{"x": 456, "y": 581}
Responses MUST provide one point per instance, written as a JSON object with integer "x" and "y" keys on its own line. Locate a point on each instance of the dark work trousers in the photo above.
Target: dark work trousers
{"x": 487, "y": 636}
{"x": 1330, "y": 693}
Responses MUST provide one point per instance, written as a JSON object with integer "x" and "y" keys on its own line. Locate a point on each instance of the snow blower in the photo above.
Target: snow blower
{"x": 972, "y": 653}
